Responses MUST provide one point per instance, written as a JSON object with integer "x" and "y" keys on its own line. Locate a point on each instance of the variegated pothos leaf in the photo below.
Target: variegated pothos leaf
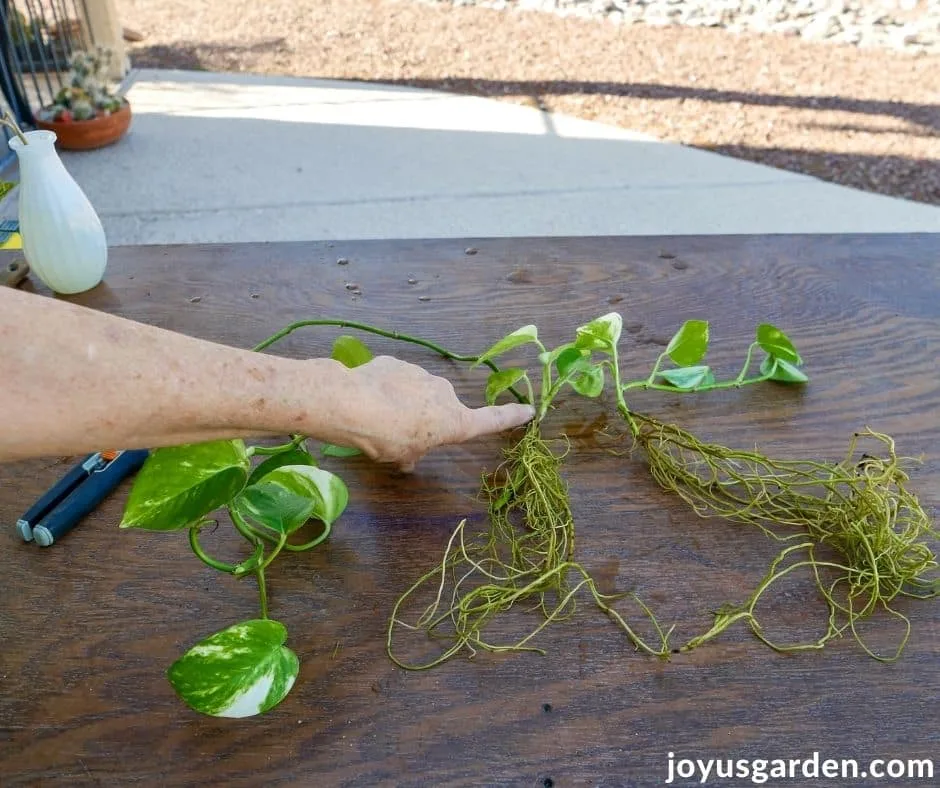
{"x": 241, "y": 671}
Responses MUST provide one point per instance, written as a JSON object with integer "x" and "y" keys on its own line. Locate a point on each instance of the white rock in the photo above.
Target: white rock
{"x": 823, "y": 26}
{"x": 909, "y": 34}
{"x": 847, "y": 37}
{"x": 862, "y": 23}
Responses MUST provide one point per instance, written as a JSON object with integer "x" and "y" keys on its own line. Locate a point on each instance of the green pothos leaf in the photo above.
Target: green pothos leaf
{"x": 241, "y": 671}
{"x": 782, "y": 371}
{"x": 521, "y": 336}
{"x": 179, "y": 485}
{"x": 291, "y": 457}
{"x": 687, "y": 378}
{"x": 569, "y": 357}
{"x": 552, "y": 356}
{"x": 777, "y": 344}
{"x": 586, "y": 378}
{"x": 689, "y": 344}
{"x": 350, "y": 352}
{"x": 288, "y": 496}
{"x": 601, "y": 334}
{"x": 498, "y": 382}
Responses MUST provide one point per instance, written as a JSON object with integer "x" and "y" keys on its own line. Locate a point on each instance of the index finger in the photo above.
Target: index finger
{"x": 496, "y": 418}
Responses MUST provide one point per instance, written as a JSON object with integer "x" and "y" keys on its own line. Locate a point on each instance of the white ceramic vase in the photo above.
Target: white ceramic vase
{"x": 63, "y": 240}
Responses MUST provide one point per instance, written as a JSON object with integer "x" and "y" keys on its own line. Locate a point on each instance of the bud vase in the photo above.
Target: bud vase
{"x": 63, "y": 240}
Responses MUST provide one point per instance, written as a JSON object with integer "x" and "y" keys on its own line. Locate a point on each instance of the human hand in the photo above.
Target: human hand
{"x": 396, "y": 412}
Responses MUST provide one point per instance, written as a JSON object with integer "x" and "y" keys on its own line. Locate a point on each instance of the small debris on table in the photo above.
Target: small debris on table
{"x": 424, "y": 298}
{"x": 663, "y": 255}
{"x": 195, "y": 299}
{"x": 412, "y": 281}
{"x": 342, "y": 261}
{"x": 352, "y": 286}
{"x": 470, "y": 250}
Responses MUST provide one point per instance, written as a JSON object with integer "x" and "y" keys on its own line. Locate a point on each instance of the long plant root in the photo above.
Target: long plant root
{"x": 859, "y": 510}
{"x": 525, "y": 556}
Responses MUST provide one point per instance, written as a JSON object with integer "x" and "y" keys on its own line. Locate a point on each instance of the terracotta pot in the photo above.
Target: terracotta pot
{"x": 90, "y": 134}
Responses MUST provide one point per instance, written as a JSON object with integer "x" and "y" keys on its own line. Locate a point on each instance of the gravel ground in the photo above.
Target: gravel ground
{"x": 862, "y": 117}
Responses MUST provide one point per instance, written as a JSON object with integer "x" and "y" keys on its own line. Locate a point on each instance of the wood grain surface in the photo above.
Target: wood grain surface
{"x": 90, "y": 625}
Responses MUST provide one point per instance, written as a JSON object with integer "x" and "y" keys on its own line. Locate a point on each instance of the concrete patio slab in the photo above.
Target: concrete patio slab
{"x": 230, "y": 157}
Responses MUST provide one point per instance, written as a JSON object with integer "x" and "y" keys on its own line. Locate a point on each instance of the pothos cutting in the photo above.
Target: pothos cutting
{"x": 854, "y": 524}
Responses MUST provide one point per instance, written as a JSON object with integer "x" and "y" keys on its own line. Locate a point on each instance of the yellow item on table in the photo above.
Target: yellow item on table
{"x": 14, "y": 241}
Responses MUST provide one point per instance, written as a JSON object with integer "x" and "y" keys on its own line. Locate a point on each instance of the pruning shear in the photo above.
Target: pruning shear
{"x": 77, "y": 494}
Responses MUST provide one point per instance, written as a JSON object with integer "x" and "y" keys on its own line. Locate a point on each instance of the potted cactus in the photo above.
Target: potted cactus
{"x": 86, "y": 114}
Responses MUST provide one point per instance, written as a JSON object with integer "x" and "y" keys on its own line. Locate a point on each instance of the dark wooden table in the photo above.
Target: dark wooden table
{"x": 90, "y": 625}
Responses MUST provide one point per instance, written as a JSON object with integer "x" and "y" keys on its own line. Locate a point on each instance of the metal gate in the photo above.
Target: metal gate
{"x": 37, "y": 38}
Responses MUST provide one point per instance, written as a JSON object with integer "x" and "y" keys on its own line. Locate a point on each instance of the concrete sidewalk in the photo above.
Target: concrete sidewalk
{"x": 225, "y": 158}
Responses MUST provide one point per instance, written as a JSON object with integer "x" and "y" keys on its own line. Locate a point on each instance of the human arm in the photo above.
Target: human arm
{"x": 89, "y": 381}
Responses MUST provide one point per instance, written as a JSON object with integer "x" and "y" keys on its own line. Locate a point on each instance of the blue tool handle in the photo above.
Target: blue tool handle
{"x": 86, "y": 497}
{"x": 53, "y": 496}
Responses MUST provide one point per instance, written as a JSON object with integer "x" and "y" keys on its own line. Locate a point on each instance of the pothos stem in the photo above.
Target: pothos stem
{"x": 619, "y": 389}
{"x": 243, "y": 527}
{"x": 396, "y": 335}
{"x": 300, "y": 548}
{"x": 284, "y": 447}
{"x": 728, "y": 384}
{"x": 259, "y": 562}
{"x": 262, "y": 591}
{"x": 201, "y": 554}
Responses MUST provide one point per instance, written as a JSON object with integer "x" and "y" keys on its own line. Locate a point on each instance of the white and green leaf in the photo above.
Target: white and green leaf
{"x": 242, "y": 671}
{"x": 601, "y": 334}
{"x": 521, "y": 336}
{"x": 498, "y": 382}
{"x": 689, "y": 344}
{"x": 688, "y": 378}
{"x": 179, "y": 485}
{"x": 290, "y": 495}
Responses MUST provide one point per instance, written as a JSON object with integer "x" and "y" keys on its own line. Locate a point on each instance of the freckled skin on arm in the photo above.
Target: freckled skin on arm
{"x": 92, "y": 381}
